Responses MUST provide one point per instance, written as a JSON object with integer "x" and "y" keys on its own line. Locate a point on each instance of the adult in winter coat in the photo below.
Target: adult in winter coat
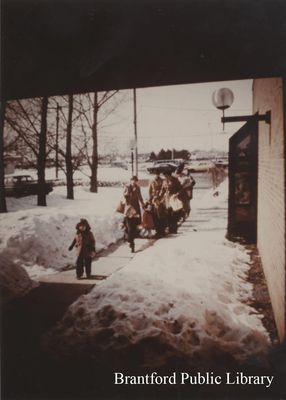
{"x": 132, "y": 195}
{"x": 172, "y": 191}
{"x": 133, "y": 199}
{"x": 155, "y": 187}
{"x": 159, "y": 210}
{"x": 187, "y": 183}
{"x": 84, "y": 243}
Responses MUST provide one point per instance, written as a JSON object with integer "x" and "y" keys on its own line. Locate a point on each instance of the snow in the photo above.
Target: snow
{"x": 35, "y": 240}
{"x": 38, "y": 238}
{"x": 105, "y": 174}
{"x": 185, "y": 297}
{"x": 14, "y": 280}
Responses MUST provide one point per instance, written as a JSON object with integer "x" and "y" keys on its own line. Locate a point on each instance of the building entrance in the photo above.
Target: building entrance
{"x": 243, "y": 166}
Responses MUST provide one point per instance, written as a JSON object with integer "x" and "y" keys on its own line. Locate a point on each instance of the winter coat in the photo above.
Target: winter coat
{"x": 133, "y": 197}
{"x": 147, "y": 220}
{"x": 130, "y": 212}
{"x": 84, "y": 243}
{"x": 187, "y": 183}
{"x": 155, "y": 187}
{"x": 172, "y": 191}
{"x": 171, "y": 185}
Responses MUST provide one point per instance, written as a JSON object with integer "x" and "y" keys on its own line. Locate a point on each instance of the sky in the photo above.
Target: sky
{"x": 180, "y": 117}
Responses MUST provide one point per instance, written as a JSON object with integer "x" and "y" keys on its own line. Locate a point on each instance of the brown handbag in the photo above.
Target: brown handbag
{"x": 121, "y": 207}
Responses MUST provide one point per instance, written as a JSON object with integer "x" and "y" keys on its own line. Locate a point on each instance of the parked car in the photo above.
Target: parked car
{"x": 162, "y": 166}
{"x": 23, "y": 185}
{"x": 200, "y": 166}
{"x": 223, "y": 163}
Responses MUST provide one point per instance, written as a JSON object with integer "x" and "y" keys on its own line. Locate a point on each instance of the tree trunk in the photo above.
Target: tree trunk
{"x": 69, "y": 166}
{"x": 94, "y": 162}
{"x": 41, "y": 162}
{"x": 3, "y": 207}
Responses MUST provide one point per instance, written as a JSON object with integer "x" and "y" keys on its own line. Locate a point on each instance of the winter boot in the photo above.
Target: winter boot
{"x": 132, "y": 247}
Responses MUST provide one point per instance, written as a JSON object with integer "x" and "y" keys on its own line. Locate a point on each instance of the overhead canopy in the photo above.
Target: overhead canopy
{"x": 52, "y": 47}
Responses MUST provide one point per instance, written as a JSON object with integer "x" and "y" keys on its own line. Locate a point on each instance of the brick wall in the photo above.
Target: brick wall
{"x": 268, "y": 95}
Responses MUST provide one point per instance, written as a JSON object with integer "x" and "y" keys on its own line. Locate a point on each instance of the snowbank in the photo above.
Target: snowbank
{"x": 14, "y": 280}
{"x": 215, "y": 198}
{"x": 182, "y": 299}
{"x": 35, "y": 236}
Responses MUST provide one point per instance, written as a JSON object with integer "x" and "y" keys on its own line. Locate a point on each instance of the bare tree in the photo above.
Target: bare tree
{"x": 94, "y": 110}
{"x": 68, "y": 155}
{"x": 68, "y": 146}
{"x": 41, "y": 160}
{"x": 94, "y": 159}
{"x": 28, "y": 118}
{"x": 3, "y": 206}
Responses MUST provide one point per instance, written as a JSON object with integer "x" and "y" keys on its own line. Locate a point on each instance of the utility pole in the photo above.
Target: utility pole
{"x": 132, "y": 162}
{"x": 135, "y": 132}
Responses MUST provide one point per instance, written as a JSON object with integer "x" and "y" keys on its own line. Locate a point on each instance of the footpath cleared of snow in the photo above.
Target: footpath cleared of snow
{"x": 37, "y": 238}
{"x": 183, "y": 298}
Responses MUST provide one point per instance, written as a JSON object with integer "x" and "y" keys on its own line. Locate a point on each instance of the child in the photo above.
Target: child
{"x": 147, "y": 220}
{"x": 84, "y": 243}
{"x": 131, "y": 218}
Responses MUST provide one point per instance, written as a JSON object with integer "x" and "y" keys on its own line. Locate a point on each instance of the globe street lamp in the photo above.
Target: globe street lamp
{"x": 222, "y": 99}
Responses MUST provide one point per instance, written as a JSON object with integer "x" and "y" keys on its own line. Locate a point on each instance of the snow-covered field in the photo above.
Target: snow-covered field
{"x": 105, "y": 174}
{"x": 182, "y": 299}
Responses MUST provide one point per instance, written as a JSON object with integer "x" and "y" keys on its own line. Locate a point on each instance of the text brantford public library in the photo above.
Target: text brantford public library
{"x": 185, "y": 378}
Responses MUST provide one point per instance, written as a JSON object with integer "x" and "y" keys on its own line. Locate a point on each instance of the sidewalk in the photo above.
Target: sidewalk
{"x": 109, "y": 261}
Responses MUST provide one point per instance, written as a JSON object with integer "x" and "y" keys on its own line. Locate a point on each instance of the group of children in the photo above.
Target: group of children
{"x": 169, "y": 201}
{"x": 161, "y": 193}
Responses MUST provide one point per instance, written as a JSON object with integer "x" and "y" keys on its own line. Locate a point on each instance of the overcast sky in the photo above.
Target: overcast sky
{"x": 180, "y": 116}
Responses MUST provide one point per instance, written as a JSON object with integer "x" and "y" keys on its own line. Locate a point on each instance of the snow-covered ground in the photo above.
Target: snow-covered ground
{"x": 38, "y": 238}
{"x": 182, "y": 298}
{"x": 105, "y": 174}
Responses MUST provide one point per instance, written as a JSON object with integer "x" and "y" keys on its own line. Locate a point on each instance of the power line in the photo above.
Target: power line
{"x": 192, "y": 109}
{"x": 165, "y": 136}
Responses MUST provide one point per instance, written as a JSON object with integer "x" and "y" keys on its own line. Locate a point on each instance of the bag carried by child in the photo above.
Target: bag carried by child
{"x": 121, "y": 207}
{"x": 175, "y": 203}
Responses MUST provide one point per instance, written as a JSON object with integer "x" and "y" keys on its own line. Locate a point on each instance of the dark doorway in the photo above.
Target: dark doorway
{"x": 242, "y": 202}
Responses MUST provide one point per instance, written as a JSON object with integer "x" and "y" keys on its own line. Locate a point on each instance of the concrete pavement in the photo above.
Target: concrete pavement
{"x": 116, "y": 257}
